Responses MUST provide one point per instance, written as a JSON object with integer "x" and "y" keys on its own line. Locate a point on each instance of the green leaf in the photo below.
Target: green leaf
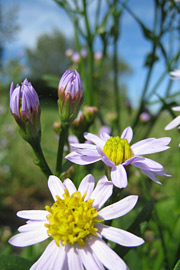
{"x": 134, "y": 228}
{"x": 177, "y": 266}
{"x": 10, "y": 262}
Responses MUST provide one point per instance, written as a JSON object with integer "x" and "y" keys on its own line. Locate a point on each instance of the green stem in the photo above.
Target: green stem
{"x": 115, "y": 69}
{"x": 62, "y": 140}
{"x": 41, "y": 161}
{"x": 90, "y": 97}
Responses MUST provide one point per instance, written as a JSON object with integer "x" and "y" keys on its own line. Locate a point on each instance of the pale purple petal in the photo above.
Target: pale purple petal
{"x": 60, "y": 260}
{"x": 106, "y": 255}
{"x": 69, "y": 185}
{"x": 87, "y": 258}
{"x": 147, "y": 164}
{"x": 95, "y": 139}
{"x": 150, "y": 146}
{"x": 36, "y": 225}
{"x": 127, "y": 134}
{"x": 119, "y": 176}
{"x": 102, "y": 192}
{"x": 176, "y": 109}
{"x": 152, "y": 176}
{"x": 118, "y": 209}
{"x": 33, "y": 214}
{"x": 74, "y": 261}
{"x": 174, "y": 123}
{"x": 84, "y": 145}
{"x": 56, "y": 187}
{"x": 119, "y": 236}
{"x": 29, "y": 238}
{"x": 87, "y": 185}
{"x": 104, "y": 158}
{"x": 82, "y": 160}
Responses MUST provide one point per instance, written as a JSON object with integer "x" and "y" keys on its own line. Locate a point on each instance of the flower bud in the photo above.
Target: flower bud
{"x": 90, "y": 113}
{"x": 70, "y": 95}
{"x": 25, "y": 107}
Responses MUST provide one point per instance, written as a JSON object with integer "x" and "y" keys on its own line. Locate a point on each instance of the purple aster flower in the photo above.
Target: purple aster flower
{"x": 69, "y": 52}
{"x": 145, "y": 117}
{"x": 75, "y": 57}
{"x": 117, "y": 154}
{"x": 74, "y": 224}
{"x": 25, "y": 107}
{"x": 97, "y": 56}
{"x": 70, "y": 93}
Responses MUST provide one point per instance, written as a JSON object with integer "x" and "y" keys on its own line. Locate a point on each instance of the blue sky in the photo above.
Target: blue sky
{"x": 43, "y": 16}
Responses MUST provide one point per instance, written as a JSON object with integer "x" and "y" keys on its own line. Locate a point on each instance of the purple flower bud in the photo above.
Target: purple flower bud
{"x": 25, "y": 107}
{"x": 70, "y": 93}
{"x": 83, "y": 53}
{"x": 145, "y": 117}
{"x": 23, "y": 100}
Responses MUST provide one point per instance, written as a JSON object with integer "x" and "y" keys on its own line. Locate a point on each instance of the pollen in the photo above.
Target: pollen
{"x": 117, "y": 150}
{"x": 71, "y": 219}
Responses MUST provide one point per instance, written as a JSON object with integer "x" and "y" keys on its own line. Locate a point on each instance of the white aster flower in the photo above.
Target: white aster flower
{"x": 73, "y": 221}
{"x": 176, "y": 121}
{"x": 117, "y": 154}
{"x": 175, "y": 74}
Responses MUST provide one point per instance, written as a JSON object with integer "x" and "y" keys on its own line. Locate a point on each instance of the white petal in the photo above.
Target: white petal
{"x": 56, "y": 187}
{"x": 127, "y": 134}
{"x": 36, "y": 225}
{"x": 177, "y": 108}
{"x": 102, "y": 192}
{"x": 69, "y": 185}
{"x": 174, "y": 123}
{"x": 119, "y": 236}
{"x": 74, "y": 261}
{"x": 118, "y": 209}
{"x": 87, "y": 185}
{"x": 39, "y": 215}
{"x": 29, "y": 238}
{"x": 77, "y": 158}
{"x": 87, "y": 258}
{"x": 106, "y": 255}
{"x": 50, "y": 256}
{"x": 119, "y": 176}
{"x": 95, "y": 139}
{"x": 150, "y": 146}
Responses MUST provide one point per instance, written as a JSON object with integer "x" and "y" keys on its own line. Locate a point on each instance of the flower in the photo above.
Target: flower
{"x": 69, "y": 52}
{"x": 70, "y": 93}
{"x": 73, "y": 222}
{"x": 145, "y": 117}
{"x": 75, "y": 57}
{"x": 98, "y": 56}
{"x": 83, "y": 53}
{"x": 117, "y": 154}
{"x": 25, "y": 107}
{"x": 175, "y": 74}
{"x": 175, "y": 122}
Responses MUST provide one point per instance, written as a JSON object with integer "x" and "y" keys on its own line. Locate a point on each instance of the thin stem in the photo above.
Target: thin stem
{"x": 62, "y": 140}
{"x": 41, "y": 161}
{"x": 90, "y": 98}
{"x": 115, "y": 68}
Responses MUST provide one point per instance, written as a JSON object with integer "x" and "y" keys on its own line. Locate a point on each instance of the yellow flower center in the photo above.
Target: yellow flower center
{"x": 117, "y": 150}
{"x": 20, "y": 105}
{"x": 71, "y": 219}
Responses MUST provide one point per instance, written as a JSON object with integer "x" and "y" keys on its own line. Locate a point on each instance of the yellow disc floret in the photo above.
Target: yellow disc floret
{"x": 71, "y": 219}
{"x": 117, "y": 150}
